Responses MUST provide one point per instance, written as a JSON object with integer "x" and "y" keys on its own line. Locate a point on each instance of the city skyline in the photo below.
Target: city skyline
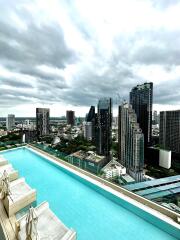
{"x": 67, "y": 54}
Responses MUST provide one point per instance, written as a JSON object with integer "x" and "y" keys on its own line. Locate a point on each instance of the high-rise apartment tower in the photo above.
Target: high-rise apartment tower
{"x": 10, "y": 121}
{"x": 42, "y": 121}
{"x": 130, "y": 142}
{"x": 141, "y": 98}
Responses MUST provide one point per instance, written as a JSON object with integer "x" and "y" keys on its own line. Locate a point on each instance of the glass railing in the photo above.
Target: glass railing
{"x": 10, "y": 144}
{"x": 81, "y": 163}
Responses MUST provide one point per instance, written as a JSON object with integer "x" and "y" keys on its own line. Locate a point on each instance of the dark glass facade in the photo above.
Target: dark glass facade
{"x": 70, "y": 117}
{"x": 104, "y": 127}
{"x": 91, "y": 114}
{"x": 141, "y": 98}
{"x": 169, "y": 135}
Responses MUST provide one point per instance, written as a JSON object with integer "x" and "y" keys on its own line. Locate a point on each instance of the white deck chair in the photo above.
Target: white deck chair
{"x": 21, "y": 196}
{"x": 3, "y": 161}
{"x": 48, "y": 226}
{"x": 13, "y": 174}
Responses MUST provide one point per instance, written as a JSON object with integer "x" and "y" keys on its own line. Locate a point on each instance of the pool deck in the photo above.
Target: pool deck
{"x": 8, "y": 232}
{"x": 148, "y": 206}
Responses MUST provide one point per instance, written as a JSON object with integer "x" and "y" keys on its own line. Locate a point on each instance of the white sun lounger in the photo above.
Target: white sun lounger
{"x": 48, "y": 226}
{"x": 3, "y": 161}
{"x": 21, "y": 196}
{"x": 13, "y": 174}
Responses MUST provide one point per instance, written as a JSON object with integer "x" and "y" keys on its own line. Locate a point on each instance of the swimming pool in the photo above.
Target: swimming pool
{"x": 92, "y": 214}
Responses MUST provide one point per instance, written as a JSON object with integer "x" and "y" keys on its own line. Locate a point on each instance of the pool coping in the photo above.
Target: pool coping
{"x": 114, "y": 189}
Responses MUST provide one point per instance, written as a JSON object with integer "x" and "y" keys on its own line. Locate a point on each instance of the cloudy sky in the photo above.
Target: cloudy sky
{"x": 65, "y": 54}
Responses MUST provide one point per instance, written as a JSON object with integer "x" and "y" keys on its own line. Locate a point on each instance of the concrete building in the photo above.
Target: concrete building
{"x": 115, "y": 121}
{"x": 169, "y": 134}
{"x": 70, "y": 117}
{"x": 165, "y": 159}
{"x": 42, "y": 121}
{"x": 29, "y": 135}
{"x": 131, "y": 142}
{"x": 141, "y": 98}
{"x": 87, "y": 130}
{"x": 3, "y": 132}
{"x": 56, "y": 140}
{"x": 27, "y": 122}
{"x": 10, "y": 122}
{"x": 89, "y": 161}
{"x": 104, "y": 127}
{"x": 113, "y": 169}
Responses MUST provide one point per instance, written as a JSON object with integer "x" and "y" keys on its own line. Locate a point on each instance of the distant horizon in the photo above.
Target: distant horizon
{"x": 115, "y": 112}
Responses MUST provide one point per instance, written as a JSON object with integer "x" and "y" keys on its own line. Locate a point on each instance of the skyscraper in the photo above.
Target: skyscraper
{"x": 169, "y": 135}
{"x": 141, "y": 98}
{"x": 130, "y": 142}
{"x": 155, "y": 117}
{"x": 70, "y": 116}
{"x": 90, "y": 124}
{"x": 103, "y": 128}
{"x": 42, "y": 121}
{"x": 87, "y": 130}
{"x": 91, "y": 114}
{"x": 10, "y": 121}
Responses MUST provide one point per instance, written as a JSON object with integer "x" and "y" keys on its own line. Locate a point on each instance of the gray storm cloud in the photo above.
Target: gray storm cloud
{"x": 25, "y": 49}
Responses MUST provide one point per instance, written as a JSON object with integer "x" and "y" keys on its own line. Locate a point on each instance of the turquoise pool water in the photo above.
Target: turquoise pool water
{"x": 93, "y": 215}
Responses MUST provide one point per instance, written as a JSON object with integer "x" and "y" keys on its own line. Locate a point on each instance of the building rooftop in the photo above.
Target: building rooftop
{"x": 127, "y": 178}
{"x": 177, "y": 110}
{"x": 113, "y": 164}
{"x": 143, "y": 86}
{"x": 90, "y": 156}
{"x": 156, "y": 188}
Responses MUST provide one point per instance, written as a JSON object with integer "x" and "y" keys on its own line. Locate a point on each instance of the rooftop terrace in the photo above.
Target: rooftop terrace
{"x": 90, "y": 155}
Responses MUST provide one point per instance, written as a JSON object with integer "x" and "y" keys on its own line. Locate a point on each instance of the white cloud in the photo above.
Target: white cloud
{"x": 70, "y": 53}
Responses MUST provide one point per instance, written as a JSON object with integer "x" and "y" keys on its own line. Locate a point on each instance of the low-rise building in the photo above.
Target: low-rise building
{"x": 3, "y": 132}
{"x": 87, "y": 160}
{"x": 155, "y": 130}
{"x": 113, "y": 169}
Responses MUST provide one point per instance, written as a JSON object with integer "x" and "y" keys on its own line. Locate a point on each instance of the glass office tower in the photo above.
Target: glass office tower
{"x": 104, "y": 126}
{"x": 169, "y": 134}
{"x": 141, "y": 98}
